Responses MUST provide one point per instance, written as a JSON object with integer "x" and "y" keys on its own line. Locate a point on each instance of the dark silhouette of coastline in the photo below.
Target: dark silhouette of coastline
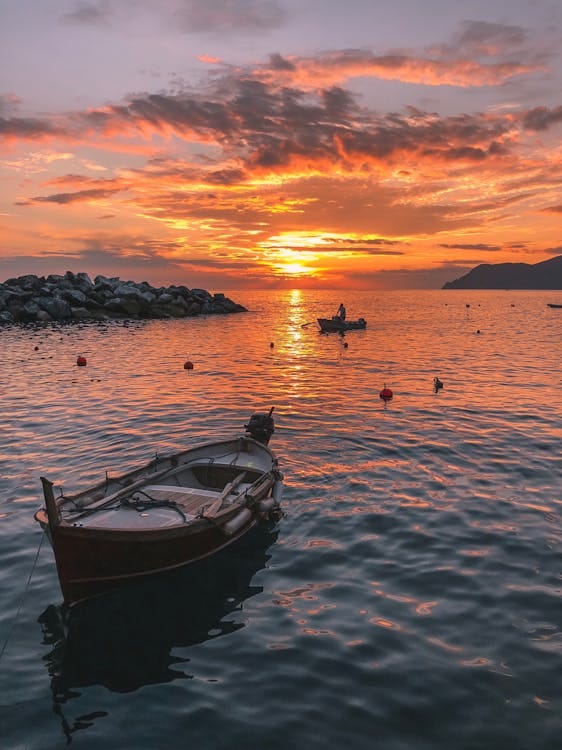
{"x": 544, "y": 275}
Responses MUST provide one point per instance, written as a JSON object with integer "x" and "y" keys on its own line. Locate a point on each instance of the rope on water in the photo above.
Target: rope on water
{"x": 20, "y": 605}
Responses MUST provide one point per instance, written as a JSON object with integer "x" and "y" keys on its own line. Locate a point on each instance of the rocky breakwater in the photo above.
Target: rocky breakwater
{"x": 39, "y": 299}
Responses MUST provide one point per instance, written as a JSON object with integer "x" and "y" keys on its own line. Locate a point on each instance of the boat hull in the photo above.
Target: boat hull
{"x": 89, "y": 562}
{"x": 335, "y": 325}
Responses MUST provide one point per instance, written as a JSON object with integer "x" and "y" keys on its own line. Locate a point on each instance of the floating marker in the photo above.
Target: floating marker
{"x": 437, "y": 384}
{"x": 271, "y": 345}
{"x": 81, "y": 361}
{"x": 386, "y": 394}
{"x": 188, "y": 365}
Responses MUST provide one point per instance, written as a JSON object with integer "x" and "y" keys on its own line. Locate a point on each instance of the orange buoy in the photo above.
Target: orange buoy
{"x": 81, "y": 361}
{"x": 188, "y": 365}
{"x": 386, "y": 394}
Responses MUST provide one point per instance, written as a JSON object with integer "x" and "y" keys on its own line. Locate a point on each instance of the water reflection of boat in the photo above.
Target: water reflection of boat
{"x": 177, "y": 510}
{"x": 336, "y": 324}
{"x": 124, "y": 640}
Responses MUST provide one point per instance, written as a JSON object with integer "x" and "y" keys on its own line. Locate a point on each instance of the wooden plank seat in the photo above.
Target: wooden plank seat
{"x": 189, "y": 499}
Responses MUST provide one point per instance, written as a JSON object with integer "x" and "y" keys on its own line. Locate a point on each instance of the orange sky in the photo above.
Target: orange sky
{"x": 370, "y": 167}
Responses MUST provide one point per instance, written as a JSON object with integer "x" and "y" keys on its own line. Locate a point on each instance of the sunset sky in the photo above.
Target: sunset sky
{"x": 231, "y": 144}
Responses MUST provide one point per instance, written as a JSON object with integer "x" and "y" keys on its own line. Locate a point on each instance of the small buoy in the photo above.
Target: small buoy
{"x": 36, "y": 348}
{"x": 271, "y": 345}
{"x": 345, "y": 344}
{"x": 437, "y": 384}
{"x": 81, "y": 361}
{"x": 386, "y": 394}
{"x": 468, "y": 305}
{"x": 478, "y": 331}
{"x": 188, "y": 365}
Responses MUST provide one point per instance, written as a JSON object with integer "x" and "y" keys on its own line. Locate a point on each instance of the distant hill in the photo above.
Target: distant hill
{"x": 544, "y": 275}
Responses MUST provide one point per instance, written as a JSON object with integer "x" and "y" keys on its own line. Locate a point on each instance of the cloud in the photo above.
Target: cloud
{"x": 81, "y": 196}
{"x": 542, "y": 118}
{"x": 482, "y": 38}
{"x": 270, "y": 119}
{"x": 30, "y": 128}
{"x": 477, "y": 246}
{"x": 338, "y": 67}
{"x": 9, "y": 103}
{"x": 36, "y": 161}
{"x": 88, "y": 14}
{"x": 269, "y": 130}
{"x": 194, "y": 16}
{"x": 184, "y": 16}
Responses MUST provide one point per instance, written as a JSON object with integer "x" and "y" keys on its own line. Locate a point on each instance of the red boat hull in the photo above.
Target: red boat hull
{"x": 89, "y": 563}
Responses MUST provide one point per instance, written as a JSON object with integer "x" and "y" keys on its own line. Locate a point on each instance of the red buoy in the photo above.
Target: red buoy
{"x": 81, "y": 361}
{"x": 188, "y": 365}
{"x": 386, "y": 394}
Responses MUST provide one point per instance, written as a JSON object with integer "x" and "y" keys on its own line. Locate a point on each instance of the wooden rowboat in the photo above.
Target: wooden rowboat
{"x": 552, "y": 304}
{"x": 336, "y": 324}
{"x": 177, "y": 509}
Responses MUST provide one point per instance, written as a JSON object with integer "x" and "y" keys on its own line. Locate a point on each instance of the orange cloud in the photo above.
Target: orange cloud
{"x": 339, "y": 67}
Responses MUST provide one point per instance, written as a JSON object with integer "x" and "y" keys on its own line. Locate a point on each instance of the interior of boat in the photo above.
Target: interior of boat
{"x": 183, "y": 494}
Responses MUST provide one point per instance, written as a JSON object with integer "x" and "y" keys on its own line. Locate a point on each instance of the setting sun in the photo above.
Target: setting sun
{"x": 293, "y": 269}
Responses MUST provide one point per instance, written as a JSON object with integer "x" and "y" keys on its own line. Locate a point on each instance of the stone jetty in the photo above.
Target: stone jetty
{"x": 75, "y": 297}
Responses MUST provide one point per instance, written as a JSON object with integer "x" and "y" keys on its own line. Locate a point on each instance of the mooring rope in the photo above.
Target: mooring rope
{"x": 20, "y": 605}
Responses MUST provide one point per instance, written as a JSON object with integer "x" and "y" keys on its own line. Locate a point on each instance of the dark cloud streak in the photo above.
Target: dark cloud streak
{"x": 468, "y": 246}
{"x": 80, "y": 196}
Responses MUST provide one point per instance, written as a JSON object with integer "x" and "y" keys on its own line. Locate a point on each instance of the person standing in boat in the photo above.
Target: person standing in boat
{"x": 341, "y": 312}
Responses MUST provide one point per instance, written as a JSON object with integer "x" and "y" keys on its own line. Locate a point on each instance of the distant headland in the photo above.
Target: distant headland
{"x": 544, "y": 275}
{"x": 75, "y": 297}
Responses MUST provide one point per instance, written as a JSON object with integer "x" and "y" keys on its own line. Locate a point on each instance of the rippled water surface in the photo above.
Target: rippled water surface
{"x": 410, "y": 597}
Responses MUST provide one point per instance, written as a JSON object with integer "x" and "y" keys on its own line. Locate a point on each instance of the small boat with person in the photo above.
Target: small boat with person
{"x": 336, "y": 324}
{"x": 175, "y": 510}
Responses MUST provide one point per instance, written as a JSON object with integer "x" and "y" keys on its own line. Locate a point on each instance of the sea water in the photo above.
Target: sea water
{"x": 410, "y": 596}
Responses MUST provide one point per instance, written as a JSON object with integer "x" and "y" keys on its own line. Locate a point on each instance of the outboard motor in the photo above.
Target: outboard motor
{"x": 261, "y": 427}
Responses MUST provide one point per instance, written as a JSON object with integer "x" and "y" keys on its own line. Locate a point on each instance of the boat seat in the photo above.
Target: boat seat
{"x": 173, "y": 491}
{"x": 189, "y": 499}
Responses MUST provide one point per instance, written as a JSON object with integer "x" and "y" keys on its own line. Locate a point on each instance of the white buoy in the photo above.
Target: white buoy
{"x": 277, "y": 492}
{"x": 236, "y": 523}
